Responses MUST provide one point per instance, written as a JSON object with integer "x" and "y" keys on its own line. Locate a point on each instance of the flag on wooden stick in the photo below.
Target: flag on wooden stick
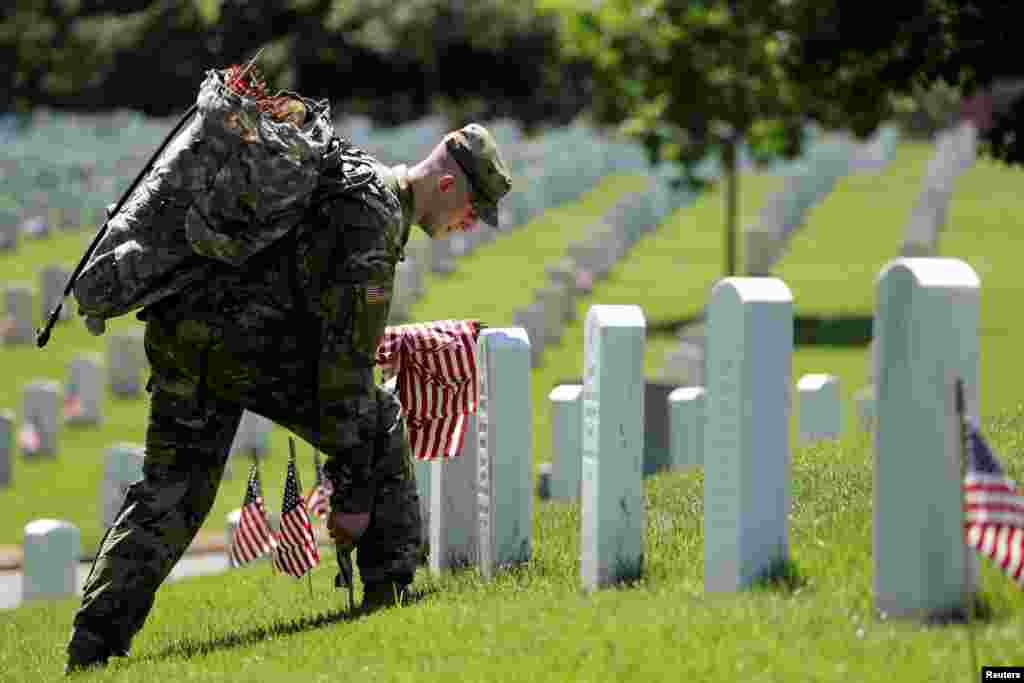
{"x": 253, "y": 537}
{"x": 296, "y": 551}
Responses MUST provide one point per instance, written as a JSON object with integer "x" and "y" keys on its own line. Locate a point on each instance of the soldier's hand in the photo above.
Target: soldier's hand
{"x": 345, "y": 528}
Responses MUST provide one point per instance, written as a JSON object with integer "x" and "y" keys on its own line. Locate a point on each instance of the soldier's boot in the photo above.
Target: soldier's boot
{"x": 88, "y": 651}
{"x": 377, "y": 596}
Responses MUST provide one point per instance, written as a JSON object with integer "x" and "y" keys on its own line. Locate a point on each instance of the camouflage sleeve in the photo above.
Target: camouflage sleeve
{"x": 354, "y": 305}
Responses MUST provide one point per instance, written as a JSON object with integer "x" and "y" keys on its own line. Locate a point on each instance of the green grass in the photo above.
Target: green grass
{"x": 533, "y": 623}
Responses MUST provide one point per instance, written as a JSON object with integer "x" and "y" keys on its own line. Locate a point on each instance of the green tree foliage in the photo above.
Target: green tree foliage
{"x": 393, "y": 61}
{"x": 693, "y": 78}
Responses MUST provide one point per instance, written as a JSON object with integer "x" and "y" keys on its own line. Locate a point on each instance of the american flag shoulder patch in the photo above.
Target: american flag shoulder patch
{"x": 376, "y": 294}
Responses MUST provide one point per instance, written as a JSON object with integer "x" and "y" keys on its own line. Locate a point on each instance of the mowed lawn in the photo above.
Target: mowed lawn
{"x": 533, "y": 623}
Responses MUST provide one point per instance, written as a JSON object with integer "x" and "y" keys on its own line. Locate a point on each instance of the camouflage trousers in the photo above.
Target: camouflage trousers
{"x": 188, "y": 437}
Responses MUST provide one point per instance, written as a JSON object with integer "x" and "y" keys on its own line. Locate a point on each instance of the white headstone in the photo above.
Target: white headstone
{"x": 453, "y": 506}
{"x": 8, "y": 233}
{"x": 52, "y": 280}
{"x": 611, "y": 506}
{"x": 865, "y": 401}
{"x": 820, "y": 407}
{"x": 749, "y": 346}
{"x": 566, "y": 441}
{"x": 122, "y": 469}
{"x": 126, "y": 357}
{"x": 926, "y": 327}
{"x": 16, "y": 325}
{"x": 50, "y": 559}
{"x": 6, "y": 446}
{"x": 686, "y": 411}
{"x": 442, "y": 261}
{"x": 423, "y": 482}
{"x": 40, "y": 412}
{"x": 253, "y": 435}
{"x": 552, "y": 302}
{"x": 504, "y": 456}
{"x": 83, "y": 392}
{"x": 760, "y": 250}
{"x": 531, "y": 320}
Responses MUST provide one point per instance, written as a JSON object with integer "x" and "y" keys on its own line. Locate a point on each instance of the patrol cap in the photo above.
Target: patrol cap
{"x": 474, "y": 149}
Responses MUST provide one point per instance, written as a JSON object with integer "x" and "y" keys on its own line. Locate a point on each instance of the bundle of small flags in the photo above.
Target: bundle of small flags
{"x": 994, "y": 509}
{"x": 438, "y": 385}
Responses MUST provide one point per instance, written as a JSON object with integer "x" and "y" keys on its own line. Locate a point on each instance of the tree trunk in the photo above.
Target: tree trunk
{"x": 731, "y": 194}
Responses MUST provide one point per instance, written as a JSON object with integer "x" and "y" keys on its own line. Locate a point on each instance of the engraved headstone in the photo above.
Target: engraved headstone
{"x": 52, "y": 280}
{"x": 566, "y": 440}
{"x": 611, "y": 506}
{"x": 504, "y": 456}
{"x": 16, "y": 325}
{"x": 820, "y": 407}
{"x": 926, "y": 331}
{"x": 749, "y": 345}
{"x": 453, "y": 505}
{"x": 6, "y": 446}
{"x": 686, "y": 409}
{"x": 122, "y": 469}
{"x": 50, "y": 557}
{"x": 83, "y": 391}
{"x": 41, "y": 408}
{"x": 126, "y": 357}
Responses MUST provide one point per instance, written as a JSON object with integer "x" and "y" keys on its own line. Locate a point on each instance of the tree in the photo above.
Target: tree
{"x": 691, "y": 78}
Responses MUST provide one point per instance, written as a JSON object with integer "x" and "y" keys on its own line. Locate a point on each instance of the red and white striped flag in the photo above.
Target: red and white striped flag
{"x": 296, "y": 551}
{"x": 994, "y": 509}
{"x": 72, "y": 405}
{"x": 253, "y": 538}
{"x": 319, "y": 502}
{"x": 438, "y": 384}
{"x": 29, "y": 439}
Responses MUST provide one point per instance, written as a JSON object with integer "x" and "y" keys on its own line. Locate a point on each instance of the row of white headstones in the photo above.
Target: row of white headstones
{"x": 479, "y": 504}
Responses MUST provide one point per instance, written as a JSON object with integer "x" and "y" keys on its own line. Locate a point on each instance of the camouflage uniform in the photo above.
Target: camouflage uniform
{"x": 292, "y": 336}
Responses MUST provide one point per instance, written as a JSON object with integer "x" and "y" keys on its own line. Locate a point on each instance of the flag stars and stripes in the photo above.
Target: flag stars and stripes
{"x": 253, "y": 537}
{"x": 296, "y": 551}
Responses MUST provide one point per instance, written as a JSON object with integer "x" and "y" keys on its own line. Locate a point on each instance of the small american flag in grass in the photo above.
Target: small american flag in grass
{"x": 72, "y": 405}
{"x": 994, "y": 509}
{"x": 29, "y": 439}
{"x": 253, "y": 538}
{"x": 296, "y": 551}
{"x": 376, "y": 294}
{"x": 319, "y": 497}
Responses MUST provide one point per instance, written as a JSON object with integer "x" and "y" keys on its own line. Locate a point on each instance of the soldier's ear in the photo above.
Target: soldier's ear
{"x": 446, "y": 182}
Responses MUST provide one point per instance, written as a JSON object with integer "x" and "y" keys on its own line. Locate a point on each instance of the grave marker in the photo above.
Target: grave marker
{"x": 820, "y": 407}
{"x": 52, "y": 280}
{"x": 453, "y": 506}
{"x": 125, "y": 358}
{"x": 122, "y": 469}
{"x": 6, "y": 446}
{"x": 38, "y": 432}
{"x": 252, "y": 438}
{"x": 50, "y": 559}
{"x": 84, "y": 390}
{"x": 926, "y": 331}
{"x": 531, "y": 320}
{"x": 566, "y": 440}
{"x": 504, "y": 456}
{"x": 8, "y": 232}
{"x": 611, "y": 506}
{"x": 749, "y": 344}
{"x": 686, "y": 409}
{"x": 16, "y": 325}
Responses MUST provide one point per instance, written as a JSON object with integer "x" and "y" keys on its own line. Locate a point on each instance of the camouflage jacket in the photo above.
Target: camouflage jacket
{"x": 328, "y": 283}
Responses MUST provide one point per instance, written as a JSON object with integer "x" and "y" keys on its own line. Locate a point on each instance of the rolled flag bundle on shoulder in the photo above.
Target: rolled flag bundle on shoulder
{"x": 236, "y": 178}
